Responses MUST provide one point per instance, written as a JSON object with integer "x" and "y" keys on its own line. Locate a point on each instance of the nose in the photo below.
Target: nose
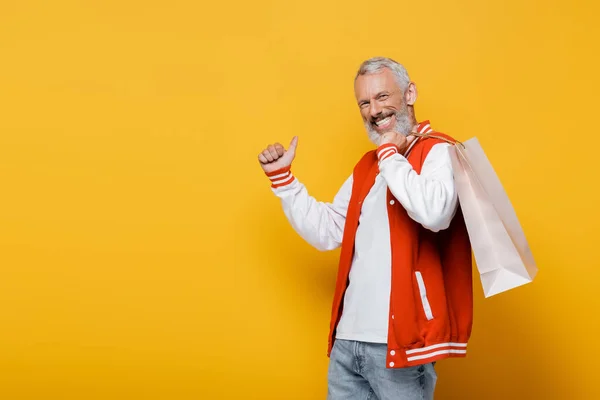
{"x": 375, "y": 109}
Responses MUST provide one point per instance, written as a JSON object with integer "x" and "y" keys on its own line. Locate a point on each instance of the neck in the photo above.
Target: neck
{"x": 413, "y": 119}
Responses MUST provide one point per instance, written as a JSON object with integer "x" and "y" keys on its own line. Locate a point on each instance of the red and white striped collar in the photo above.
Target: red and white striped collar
{"x": 424, "y": 127}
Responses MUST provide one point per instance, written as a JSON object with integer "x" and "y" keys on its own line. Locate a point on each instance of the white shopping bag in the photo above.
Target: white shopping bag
{"x": 502, "y": 254}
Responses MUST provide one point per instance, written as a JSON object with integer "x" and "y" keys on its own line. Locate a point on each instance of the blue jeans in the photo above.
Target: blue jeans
{"x": 357, "y": 371}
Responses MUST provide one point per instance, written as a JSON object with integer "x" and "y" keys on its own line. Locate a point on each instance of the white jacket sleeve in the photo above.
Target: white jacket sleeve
{"x": 320, "y": 224}
{"x": 429, "y": 198}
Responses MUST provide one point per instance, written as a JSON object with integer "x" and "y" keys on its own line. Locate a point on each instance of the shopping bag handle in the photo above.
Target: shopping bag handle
{"x": 427, "y": 135}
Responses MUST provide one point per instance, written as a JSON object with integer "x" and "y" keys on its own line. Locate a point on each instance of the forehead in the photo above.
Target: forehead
{"x": 369, "y": 85}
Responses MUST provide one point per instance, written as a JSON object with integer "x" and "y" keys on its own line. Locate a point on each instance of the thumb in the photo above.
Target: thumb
{"x": 293, "y": 145}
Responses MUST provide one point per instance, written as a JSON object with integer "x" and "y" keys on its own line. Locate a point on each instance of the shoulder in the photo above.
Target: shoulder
{"x": 433, "y": 146}
{"x": 435, "y": 138}
{"x": 443, "y": 135}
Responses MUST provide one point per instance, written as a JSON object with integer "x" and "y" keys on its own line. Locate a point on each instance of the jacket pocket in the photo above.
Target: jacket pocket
{"x": 423, "y": 293}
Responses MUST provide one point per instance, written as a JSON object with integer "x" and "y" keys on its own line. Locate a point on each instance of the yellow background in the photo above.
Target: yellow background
{"x": 142, "y": 253}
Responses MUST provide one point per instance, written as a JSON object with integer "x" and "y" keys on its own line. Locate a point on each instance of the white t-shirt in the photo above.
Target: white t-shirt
{"x": 367, "y": 298}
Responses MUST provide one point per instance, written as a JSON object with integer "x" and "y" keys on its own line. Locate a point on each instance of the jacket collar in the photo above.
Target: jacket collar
{"x": 424, "y": 127}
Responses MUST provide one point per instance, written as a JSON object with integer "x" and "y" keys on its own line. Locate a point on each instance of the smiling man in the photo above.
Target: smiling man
{"x": 403, "y": 298}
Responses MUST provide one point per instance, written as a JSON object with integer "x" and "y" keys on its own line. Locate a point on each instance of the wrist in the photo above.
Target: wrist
{"x": 386, "y": 150}
{"x": 281, "y": 177}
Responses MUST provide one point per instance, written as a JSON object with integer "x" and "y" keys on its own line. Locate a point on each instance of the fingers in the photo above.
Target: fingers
{"x": 279, "y": 149}
{"x": 273, "y": 152}
{"x": 267, "y": 154}
{"x": 263, "y": 159}
{"x": 386, "y": 138}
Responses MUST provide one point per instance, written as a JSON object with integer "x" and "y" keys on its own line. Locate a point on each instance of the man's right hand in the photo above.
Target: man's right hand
{"x": 276, "y": 157}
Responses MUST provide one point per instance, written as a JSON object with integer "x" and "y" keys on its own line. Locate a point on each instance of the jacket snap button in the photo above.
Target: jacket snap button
{"x": 392, "y": 202}
{"x": 393, "y": 353}
{"x": 392, "y": 364}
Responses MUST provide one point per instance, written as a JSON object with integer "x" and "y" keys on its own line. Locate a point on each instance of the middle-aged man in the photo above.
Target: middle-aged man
{"x": 403, "y": 298}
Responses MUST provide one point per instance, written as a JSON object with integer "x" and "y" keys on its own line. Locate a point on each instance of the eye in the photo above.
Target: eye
{"x": 363, "y": 105}
{"x": 383, "y": 97}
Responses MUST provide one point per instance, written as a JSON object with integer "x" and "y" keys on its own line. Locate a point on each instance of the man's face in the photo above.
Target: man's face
{"x": 382, "y": 104}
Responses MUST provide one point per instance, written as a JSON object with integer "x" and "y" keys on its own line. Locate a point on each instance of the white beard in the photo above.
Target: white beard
{"x": 403, "y": 126}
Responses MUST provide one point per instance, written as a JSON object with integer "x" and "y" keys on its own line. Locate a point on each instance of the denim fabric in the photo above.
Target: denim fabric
{"x": 357, "y": 371}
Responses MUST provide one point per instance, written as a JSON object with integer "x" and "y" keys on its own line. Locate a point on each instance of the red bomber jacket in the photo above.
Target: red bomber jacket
{"x": 431, "y": 301}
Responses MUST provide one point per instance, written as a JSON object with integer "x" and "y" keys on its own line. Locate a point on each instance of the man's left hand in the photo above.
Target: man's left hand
{"x": 401, "y": 141}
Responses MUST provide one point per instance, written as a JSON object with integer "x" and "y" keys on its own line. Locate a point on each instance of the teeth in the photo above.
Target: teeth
{"x": 383, "y": 121}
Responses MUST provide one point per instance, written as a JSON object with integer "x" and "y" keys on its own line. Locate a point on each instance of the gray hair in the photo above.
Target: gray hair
{"x": 376, "y": 64}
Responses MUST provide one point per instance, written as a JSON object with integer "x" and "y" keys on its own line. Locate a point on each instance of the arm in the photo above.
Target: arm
{"x": 320, "y": 224}
{"x": 430, "y": 198}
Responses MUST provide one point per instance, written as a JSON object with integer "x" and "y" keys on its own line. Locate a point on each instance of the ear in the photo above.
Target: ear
{"x": 410, "y": 96}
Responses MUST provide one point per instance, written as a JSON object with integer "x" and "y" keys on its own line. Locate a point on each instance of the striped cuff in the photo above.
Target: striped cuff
{"x": 281, "y": 177}
{"x": 386, "y": 151}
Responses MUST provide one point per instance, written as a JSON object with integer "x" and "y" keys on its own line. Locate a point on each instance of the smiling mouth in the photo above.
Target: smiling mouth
{"x": 382, "y": 122}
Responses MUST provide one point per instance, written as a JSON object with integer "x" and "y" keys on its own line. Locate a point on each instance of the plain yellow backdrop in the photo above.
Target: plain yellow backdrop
{"x": 142, "y": 253}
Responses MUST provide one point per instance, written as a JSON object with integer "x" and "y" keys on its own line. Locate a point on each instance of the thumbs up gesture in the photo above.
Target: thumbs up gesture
{"x": 275, "y": 156}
